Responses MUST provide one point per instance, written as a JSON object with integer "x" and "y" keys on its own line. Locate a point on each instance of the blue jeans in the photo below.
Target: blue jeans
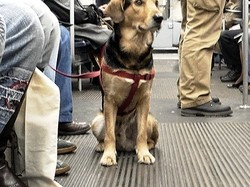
{"x": 21, "y": 40}
{"x": 64, "y": 64}
{"x": 51, "y": 31}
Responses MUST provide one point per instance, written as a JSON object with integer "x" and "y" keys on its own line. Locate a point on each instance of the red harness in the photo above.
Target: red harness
{"x": 135, "y": 77}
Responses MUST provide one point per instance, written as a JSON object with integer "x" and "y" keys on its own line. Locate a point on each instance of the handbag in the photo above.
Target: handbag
{"x": 34, "y": 156}
{"x": 61, "y": 8}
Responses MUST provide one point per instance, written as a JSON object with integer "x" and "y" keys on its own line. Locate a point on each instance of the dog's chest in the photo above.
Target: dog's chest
{"x": 118, "y": 89}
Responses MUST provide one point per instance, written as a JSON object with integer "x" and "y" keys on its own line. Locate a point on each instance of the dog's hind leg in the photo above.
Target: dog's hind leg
{"x": 98, "y": 129}
{"x": 153, "y": 133}
{"x": 100, "y": 147}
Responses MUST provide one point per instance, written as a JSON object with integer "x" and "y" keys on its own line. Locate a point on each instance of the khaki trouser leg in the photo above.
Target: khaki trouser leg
{"x": 183, "y": 26}
{"x": 183, "y": 22}
{"x": 201, "y": 33}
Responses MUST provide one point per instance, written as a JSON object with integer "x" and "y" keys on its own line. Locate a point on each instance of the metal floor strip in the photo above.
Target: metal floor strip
{"x": 188, "y": 154}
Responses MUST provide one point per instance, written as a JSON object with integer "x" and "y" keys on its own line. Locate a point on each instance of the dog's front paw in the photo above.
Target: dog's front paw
{"x": 145, "y": 157}
{"x": 108, "y": 158}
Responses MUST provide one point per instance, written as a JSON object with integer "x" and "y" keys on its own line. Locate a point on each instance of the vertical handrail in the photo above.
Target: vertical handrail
{"x": 245, "y": 53}
{"x": 72, "y": 28}
{"x": 72, "y": 39}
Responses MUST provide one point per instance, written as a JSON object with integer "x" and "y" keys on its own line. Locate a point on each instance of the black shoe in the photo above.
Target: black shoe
{"x": 8, "y": 178}
{"x": 61, "y": 168}
{"x": 65, "y": 146}
{"x": 231, "y": 76}
{"x": 241, "y": 88}
{"x": 214, "y": 99}
{"x": 73, "y": 128}
{"x": 208, "y": 109}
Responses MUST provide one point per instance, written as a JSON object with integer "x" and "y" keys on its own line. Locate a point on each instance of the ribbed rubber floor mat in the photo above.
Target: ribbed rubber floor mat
{"x": 188, "y": 154}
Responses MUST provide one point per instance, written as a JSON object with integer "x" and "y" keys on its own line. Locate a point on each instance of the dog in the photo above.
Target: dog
{"x": 127, "y": 74}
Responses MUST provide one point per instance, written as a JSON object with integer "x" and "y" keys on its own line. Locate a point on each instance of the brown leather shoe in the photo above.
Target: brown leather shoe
{"x": 65, "y": 146}
{"x": 8, "y": 178}
{"x": 73, "y": 128}
{"x": 61, "y": 168}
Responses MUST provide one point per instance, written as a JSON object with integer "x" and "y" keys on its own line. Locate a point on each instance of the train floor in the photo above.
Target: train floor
{"x": 192, "y": 151}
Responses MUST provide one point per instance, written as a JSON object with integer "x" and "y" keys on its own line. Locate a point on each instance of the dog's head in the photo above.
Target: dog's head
{"x": 143, "y": 15}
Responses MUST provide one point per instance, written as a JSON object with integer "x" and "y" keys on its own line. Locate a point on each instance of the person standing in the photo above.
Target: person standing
{"x": 201, "y": 31}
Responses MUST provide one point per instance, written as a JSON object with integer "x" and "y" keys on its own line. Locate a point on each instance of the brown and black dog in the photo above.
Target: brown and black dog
{"x": 128, "y": 54}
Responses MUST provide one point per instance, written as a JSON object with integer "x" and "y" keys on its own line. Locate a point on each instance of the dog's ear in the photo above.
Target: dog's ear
{"x": 115, "y": 10}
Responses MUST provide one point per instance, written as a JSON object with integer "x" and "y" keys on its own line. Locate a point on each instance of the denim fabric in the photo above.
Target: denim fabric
{"x": 23, "y": 44}
{"x": 2, "y": 36}
{"x": 64, "y": 64}
{"x": 51, "y": 30}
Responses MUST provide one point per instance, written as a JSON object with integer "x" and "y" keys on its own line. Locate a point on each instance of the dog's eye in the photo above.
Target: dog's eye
{"x": 138, "y": 2}
{"x": 156, "y": 3}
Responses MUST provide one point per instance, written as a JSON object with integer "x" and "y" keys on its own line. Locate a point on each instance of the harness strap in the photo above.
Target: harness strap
{"x": 125, "y": 74}
{"x": 128, "y": 100}
{"x": 135, "y": 77}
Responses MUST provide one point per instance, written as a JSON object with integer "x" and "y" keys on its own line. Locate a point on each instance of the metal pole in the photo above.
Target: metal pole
{"x": 72, "y": 30}
{"x": 245, "y": 54}
{"x": 72, "y": 39}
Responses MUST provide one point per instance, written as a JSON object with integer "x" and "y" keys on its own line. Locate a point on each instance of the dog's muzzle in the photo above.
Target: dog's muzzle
{"x": 158, "y": 18}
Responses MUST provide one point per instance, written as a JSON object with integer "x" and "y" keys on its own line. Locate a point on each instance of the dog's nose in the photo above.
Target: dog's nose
{"x": 158, "y": 18}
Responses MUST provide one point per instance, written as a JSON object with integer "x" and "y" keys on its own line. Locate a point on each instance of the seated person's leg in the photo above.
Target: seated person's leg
{"x": 2, "y": 36}
{"x": 64, "y": 64}
{"x": 51, "y": 30}
{"x": 231, "y": 54}
{"x": 21, "y": 53}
